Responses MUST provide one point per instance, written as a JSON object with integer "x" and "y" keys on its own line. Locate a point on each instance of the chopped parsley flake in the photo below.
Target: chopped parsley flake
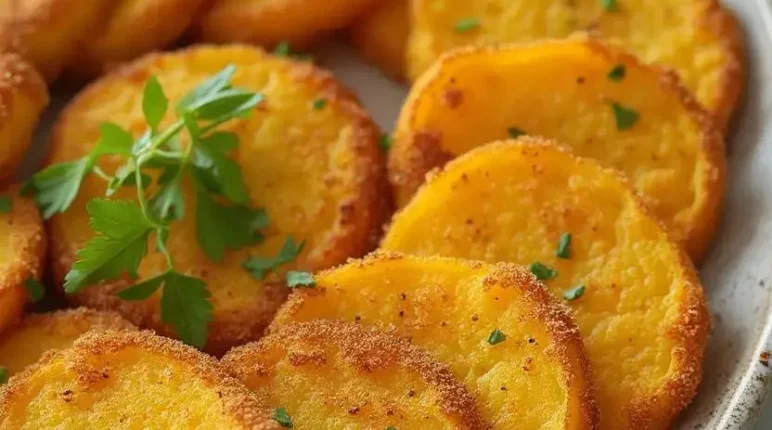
{"x": 515, "y": 132}
{"x": 564, "y": 246}
{"x": 385, "y": 141}
{"x": 625, "y": 117}
{"x": 617, "y": 73}
{"x": 609, "y": 5}
{"x": 3, "y": 375}
{"x": 5, "y": 204}
{"x": 35, "y": 290}
{"x": 574, "y": 293}
{"x": 281, "y": 416}
{"x": 466, "y": 24}
{"x": 391, "y": 428}
{"x": 320, "y": 103}
{"x": 542, "y": 272}
{"x": 497, "y": 336}
{"x": 283, "y": 49}
{"x": 296, "y": 279}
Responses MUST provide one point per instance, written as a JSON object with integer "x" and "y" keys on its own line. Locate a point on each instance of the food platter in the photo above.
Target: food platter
{"x": 736, "y": 275}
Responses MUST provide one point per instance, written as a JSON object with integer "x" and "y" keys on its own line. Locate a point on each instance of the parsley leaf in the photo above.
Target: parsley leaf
{"x": 625, "y": 118}
{"x": 283, "y": 49}
{"x": 35, "y": 290}
{"x": 211, "y": 154}
{"x": 3, "y": 375}
{"x": 186, "y": 307}
{"x": 515, "y": 132}
{"x": 5, "y": 204}
{"x": 564, "y": 246}
{"x": 169, "y": 203}
{"x": 618, "y": 73}
{"x": 297, "y": 279}
{"x": 113, "y": 139}
{"x": 142, "y": 290}
{"x": 118, "y": 248}
{"x": 154, "y": 103}
{"x": 259, "y": 266}
{"x": 241, "y": 225}
{"x": 281, "y": 416}
{"x": 207, "y": 88}
{"x": 320, "y": 103}
{"x": 57, "y": 186}
{"x": 542, "y": 272}
{"x": 385, "y": 142}
{"x": 466, "y": 24}
{"x": 609, "y": 5}
{"x": 574, "y": 293}
{"x": 497, "y": 336}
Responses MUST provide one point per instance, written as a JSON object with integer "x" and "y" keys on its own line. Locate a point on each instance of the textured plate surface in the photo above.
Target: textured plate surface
{"x": 738, "y": 274}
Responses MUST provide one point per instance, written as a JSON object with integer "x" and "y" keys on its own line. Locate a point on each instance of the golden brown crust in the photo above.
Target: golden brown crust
{"x": 27, "y": 242}
{"x": 367, "y": 350}
{"x": 690, "y": 328}
{"x": 83, "y": 358}
{"x": 356, "y": 231}
{"x": 417, "y": 151}
{"x": 567, "y": 342}
{"x": 76, "y": 319}
{"x": 380, "y": 35}
{"x": 23, "y": 97}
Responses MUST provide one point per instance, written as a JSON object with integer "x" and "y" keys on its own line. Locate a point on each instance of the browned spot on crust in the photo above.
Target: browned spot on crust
{"x": 366, "y": 349}
{"x": 453, "y": 98}
{"x": 88, "y": 354}
{"x": 409, "y": 164}
{"x": 764, "y": 358}
{"x": 27, "y": 243}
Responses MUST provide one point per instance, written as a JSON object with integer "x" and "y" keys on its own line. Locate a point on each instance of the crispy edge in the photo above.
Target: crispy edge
{"x": 65, "y": 319}
{"x": 29, "y": 246}
{"x": 367, "y": 350}
{"x": 417, "y": 152}
{"x": 217, "y": 22}
{"x": 556, "y": 316}
{"x": 19, "y": 79}
{"x": 357, "y": 231}
{"x": 690, "y": 328}
{"x": 243, "y": 406}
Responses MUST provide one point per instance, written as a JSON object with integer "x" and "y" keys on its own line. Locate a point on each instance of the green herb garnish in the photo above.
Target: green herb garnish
{"x": 123, "y": 228}
{"x": 385, "y": 142}
{"x": 574, "y": 293}
{"x": 497, "y": 336}
{"x": 618, "y": 73}
{"x": 320, "y": 103}
{"x": 466, "y": 24}
{"x": 515, "y": 132}
{"x": 564, "y": 246}
{"x": 542, "y": 272}
{"x": 5, "y": 204}
{"x": 283, "y": 49}
{"x": 625, "y": 118}
{"x": 260, "y": 266}
{"x": 609, "y": 5}
{"x": 297, "y": 279}
{"x": 3, "y": 375}
{"x": 281, "y": 416}
{"x": 35, "y": 290}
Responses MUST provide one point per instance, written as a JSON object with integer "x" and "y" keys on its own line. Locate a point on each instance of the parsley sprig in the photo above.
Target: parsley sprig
{"x": 123, "y": 228}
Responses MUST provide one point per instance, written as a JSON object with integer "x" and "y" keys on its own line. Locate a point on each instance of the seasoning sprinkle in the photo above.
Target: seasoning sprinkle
{"x": 625, "y": 117}
{"x": 574, "y": 293}
{"x": 466, "y": 24}
{"x": 618, "y": 73}
{"x": 515, "y": 132}
{"x": 497, "y": 336}
{"x": 281, "y": 416}
{"x": 542, "y": 272}
{"x": 564, "y": 246}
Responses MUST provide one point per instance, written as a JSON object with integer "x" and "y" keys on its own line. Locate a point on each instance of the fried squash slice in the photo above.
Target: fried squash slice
{"x": 134, "y": 28}
{"x": 635, "y": 295}
{"x": 697, "y": 38}
{"x": 270, "y": 22}
{"x": 380, "y": 35}
{"x": 318, "y": 173}
{"x": 24, "y": 343}
{"x": 332, "y": 374}
{"x": 24, "y": 96}
{"x": 22, "y": 253}
{"x": 514, "y": 346}
{"x": 122, "y": 379}
{"x": 599, "y": 101}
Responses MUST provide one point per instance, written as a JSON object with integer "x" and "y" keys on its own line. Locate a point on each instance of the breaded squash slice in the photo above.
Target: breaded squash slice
{"x": 698, "y": 38}
{"x": 599, "y": 101}
{"x": 318, "y": 173}
{"x": 23, "y": 96}
{"x": 380, "y": 35}
{"x": 47, "y": 32}
{"x": 134, "y": 28}
{"x": 24, "y": 344}
{"x": 334, "y": 375}
{"x": 634, "y": 292}
{"x": 514, "y": 346}
{"x": 123, "y": 379}
{"x": 269, "y": 22}
{"x": 22, "y": 253}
